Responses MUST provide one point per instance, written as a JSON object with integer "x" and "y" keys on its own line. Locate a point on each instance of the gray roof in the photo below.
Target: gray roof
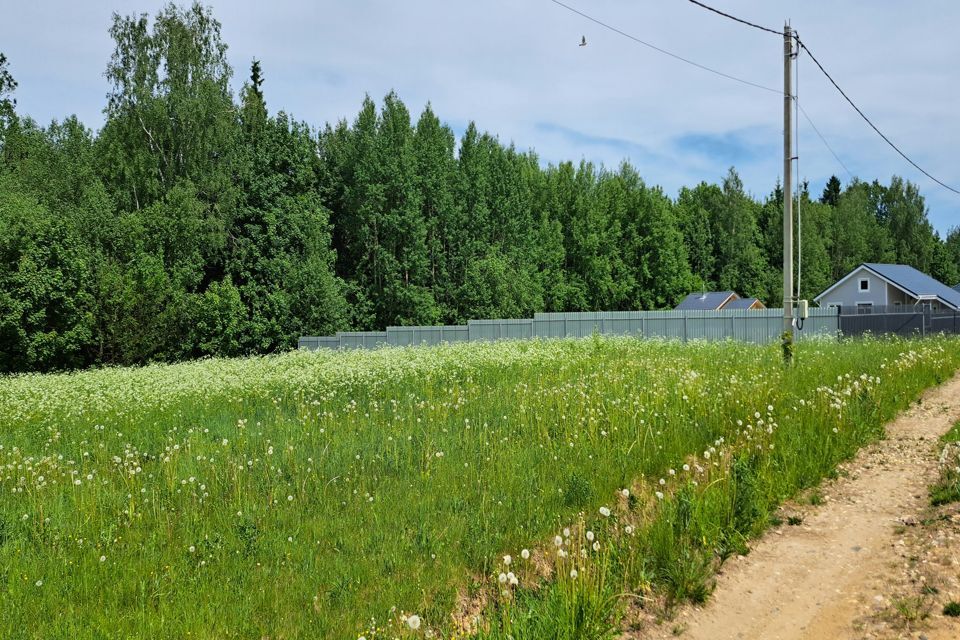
{"x": 741, "y": 303}
{"x": 704, "y": 301}
{"x": 916, "y": 283}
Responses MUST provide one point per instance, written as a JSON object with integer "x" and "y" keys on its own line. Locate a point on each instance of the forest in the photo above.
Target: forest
{"x": 197, "y": 222}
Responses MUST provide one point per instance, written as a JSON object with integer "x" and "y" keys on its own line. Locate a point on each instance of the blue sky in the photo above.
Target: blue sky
{"x": 515, "y": 68}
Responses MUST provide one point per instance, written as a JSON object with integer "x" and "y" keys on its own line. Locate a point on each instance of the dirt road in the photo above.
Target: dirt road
{"x": 873, "y": 561}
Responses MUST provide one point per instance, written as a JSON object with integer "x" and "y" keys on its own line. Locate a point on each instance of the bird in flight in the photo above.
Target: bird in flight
{"x": 583, "y": 41}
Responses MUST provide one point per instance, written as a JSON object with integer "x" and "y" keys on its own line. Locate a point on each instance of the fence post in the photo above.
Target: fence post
{"x": 684, "y": 326}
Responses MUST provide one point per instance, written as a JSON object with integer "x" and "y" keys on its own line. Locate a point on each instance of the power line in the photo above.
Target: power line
{"x": 824, "y": 141}
{"x": 664, "y": 51}
{"x": 868, "y": 121}
{"x": 736, "y": 19}
{"x": 705, "y": 68}
{"x": 842, "y": 92}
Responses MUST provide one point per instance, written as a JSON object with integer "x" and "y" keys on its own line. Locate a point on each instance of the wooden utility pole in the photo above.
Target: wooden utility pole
{"x": 787, "y": 193}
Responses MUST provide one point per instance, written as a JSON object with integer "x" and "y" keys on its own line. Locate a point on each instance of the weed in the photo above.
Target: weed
{"x": 910, "y": 610}
{"x": 794, "y": 521}
{"x": 952, "y": 609}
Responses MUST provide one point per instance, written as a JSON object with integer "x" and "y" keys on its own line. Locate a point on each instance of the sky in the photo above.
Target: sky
{"x": 515, "y": 68}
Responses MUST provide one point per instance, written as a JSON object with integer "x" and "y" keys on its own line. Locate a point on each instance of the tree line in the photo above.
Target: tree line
{"x": 196, "y": 222}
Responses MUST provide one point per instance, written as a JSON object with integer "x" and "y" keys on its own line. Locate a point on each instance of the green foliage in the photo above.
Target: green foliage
{"x": 191, "y": 198}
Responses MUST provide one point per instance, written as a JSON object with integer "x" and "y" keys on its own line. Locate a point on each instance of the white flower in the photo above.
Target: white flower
{"x": 39, "y": 583}
{"x": 706, "y": 454}
{"x": 574, "y": 574}
{"x": 686, "y": 467}
{"x": 413, "y": 622}
{"x": 513, "y": 579}
{"x": 605, "y": 512}
{"x": 507, "y": 560}
{"x": 672, "y": 472}
{"x": 590, "y": 536}
{"x": 289, "y": 498}
{"x": 558, "y": 541}
{"x": 596, "y": 546}
{"x": 628, "y": 529}
{"x": 192, "y": 548}
{"x": 626, "y": 493}
{"x": 566, "y": 532}
{"x": 103, "y": 558}
{"x": 525, "y": 554}
{"x": 659, "y": 495}
{"x": 502, "y": 578}
{"x": 662, "y": 482}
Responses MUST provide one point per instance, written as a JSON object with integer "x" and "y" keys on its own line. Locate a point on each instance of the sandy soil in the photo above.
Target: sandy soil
{"x": 874, "y": 560}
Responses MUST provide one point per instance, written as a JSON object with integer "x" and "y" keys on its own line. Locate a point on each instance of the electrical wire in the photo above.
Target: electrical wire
{"x": 706, "y": 68}
{"x": 664, "y": 51}
{"x": 736, "y": 19}
{"x": 869, "y": 122}
{"x": 824, "y": 140}
{"x": 842, "y": 92}
{"x": 796, "y": 146}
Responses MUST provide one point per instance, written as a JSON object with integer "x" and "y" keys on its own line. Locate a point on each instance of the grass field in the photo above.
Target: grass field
{"x": 332, "y": 495}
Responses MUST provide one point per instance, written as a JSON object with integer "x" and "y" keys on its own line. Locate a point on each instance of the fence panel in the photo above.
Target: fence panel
{"x": 758, "y": 326}
{"x": 511, "y": 329}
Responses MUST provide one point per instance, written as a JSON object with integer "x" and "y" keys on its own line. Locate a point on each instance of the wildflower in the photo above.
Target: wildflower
{"x": 686, "y": 467}
{"x": 558, "y": 541}
{"x": 590, "y": 536}
{"x": 626, "y": 493}
{"x": 662, "y": 482}
{"x": 502, "y": 578}
{"x": 525, "y": 554}
{"x": 605, "y": 512}
{"x": 574, "y": 574}
{"x": 596, "y": 546}
{"x": 507, "y": 560}
{"x": 659, "y": 495}
{"x": 512, "y": 579}
{"x": 192, "y": 548}
{"x": 413, "y": 622}
{"x": 566, "y": 532}
{"x": 706, "y": 455}
{"x": 628, "y": 529}
{"x": 39, "y": 583}
{"x": 289, "y": 498}
{"x": 103, "y": 558}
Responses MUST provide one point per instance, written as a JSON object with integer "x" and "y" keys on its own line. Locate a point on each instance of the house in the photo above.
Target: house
{"x": 888, "y": 285}
{"x": 706, "y": 301}
{"x": 744, "y": 304}
{"x": 717, "y": 300}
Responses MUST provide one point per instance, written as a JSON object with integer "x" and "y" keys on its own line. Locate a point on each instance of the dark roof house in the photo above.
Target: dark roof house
{"x": 706, "y": 301}
{"x": 889, "y": 285}
{"x": 744, "y": 304}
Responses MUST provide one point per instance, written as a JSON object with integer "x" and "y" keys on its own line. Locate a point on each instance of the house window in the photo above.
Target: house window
{"x": 864, "y": 308}
{"x": 864, "y": 284}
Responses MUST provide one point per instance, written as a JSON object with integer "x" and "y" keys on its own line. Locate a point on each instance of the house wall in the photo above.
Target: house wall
{"x": 848, "y": 293}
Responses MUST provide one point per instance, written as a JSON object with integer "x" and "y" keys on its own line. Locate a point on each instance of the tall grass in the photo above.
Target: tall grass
{"x": 335, "y": 494}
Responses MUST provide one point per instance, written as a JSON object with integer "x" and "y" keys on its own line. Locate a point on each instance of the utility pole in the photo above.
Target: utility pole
{"x": 787, "y": 194}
